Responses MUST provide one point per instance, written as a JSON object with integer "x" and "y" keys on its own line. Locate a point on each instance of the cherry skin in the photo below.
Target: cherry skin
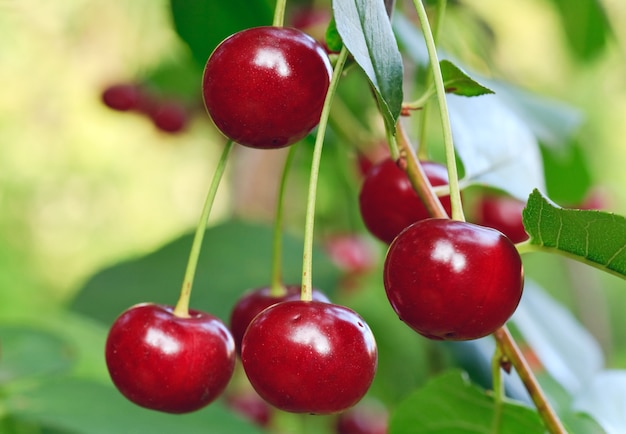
{"x": 251, "y": 303}
{"x": 309, "y": 356}
{"x": 388, "y": 202}
{"x": 503, "y": 213}
{"x": 264, "y": 87}
{"x": 169, "y": 363}
{"x": 452, "y": 280}
{"x": 122, "y": 96}
{"x": 169, "y": 116}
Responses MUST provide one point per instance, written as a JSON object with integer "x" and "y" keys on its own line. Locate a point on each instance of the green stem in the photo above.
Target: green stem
{"x": 182, "y": 306}
{"x": 498, "y": 388}
{"x": 420, "y": 103}
{"x": 455, "y": 192}
{"x": 279, "y": 13}
{"x": 307, "y": 260}
{"x": 277, "y": 288}
{"x": 511, "y": 351}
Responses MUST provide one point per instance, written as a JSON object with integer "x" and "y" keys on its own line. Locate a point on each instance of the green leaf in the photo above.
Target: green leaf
{"x": 203, "y": 24}
{"x": 236, "y": 256}
{"x": 459, "y": 83}
{"x": 449, "y": 403}
{"x": 594, "y": 237}
{"x": 366, "y": 31}
{"x": 568, "y": 176}
{"x": 333, "y": 40}
{"x": 29, "y": 352}
{"x": 87, "y": 407}
{"x": 586, "y": 26}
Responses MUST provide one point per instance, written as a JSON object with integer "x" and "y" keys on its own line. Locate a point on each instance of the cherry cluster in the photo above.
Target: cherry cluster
{"x": 167, "y": 114}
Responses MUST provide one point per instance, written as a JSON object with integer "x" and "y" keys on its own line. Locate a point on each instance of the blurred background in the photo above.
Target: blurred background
{"x": 83, "y": 186}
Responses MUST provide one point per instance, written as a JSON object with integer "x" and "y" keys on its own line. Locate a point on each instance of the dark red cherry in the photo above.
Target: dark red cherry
{"x": 503, "y": 213}
{"x": 169, "y": 116}
{"x": 254, "y": 301}
{"x": 388, "y": 202}
{"x": 169, "y": 363}
{"x": 264, "y": 87}
{"x": 453, "y": 280}
{"x": 364, "y": 418}
{"x": 309, "y": 357}
{"x": 122, "y": 96}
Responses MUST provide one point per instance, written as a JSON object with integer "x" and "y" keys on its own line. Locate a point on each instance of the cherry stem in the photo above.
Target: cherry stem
{"x": 306, "y": 293}
{"x": 453, "y": 177}
{"x": 277, "y": 288}
{"x": 182, "y": 306}
{"x": 511, "y": 351}
{"x": 279, "y": 13}
{"x": 418, "y": 177}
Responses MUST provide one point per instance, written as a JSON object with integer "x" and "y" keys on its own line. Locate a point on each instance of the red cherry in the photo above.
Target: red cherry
{"x": 453, "y": 280}
{"x": 309, "y": 357}
{"x": 503, "y": 213}
{"x": 264, "y": 87}
{"x": 169, "y": 116}
{"x": 251, "y": 406}
{"x": 122, "y": 97}
{"x": 388, "y": 202}
{"x": 169, "y": 363}
{"x": 364, "y": 418}
{"x": 256, "y": 300}
{"x": 351, "y": 253}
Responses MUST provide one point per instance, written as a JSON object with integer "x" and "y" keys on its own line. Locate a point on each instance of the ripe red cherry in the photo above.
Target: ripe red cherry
{"x": 388, "y": 202}
{"x": 309, "y": 357}
{"x": 251, "y": 406}
{"x": 264, "y": 87}
{"x": 169, "y": 363}
{"x": 503, "y": 213}
{"x": 122, "y": 96}
{"x": 453, "y": 280}
{"x": 364, "y": 418}
{"x": 254, "y": 301}
{"x": 169, "y": 116}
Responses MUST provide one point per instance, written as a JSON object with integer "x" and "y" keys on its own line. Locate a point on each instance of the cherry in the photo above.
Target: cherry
{"x": 264, "y": 87}
{"x": 309, "y": 356}
{"x": 364, "y": 418}
{"x": 388, "y": 202}
{"x": 351, "y": 253}
{"x": 122, "y": 96}
{"x": 503, "y": 213}
{"x": 254, "y": 301}
{"x": 169, "y": 363}
{"x": 251, "y": 406}
{"x": 453, "y": 280}
{"x": 169, "y": 116}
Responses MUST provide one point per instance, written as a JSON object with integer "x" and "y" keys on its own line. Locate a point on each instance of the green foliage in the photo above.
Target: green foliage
{"x": 459, "y": 83}
{"x": 244, "y": 248}
{"x": 449, "y": 403}
{"x": 594, "y": 237}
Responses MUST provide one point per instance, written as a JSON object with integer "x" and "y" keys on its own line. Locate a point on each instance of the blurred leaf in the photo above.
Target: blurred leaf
{"x": 29, "y": 352}
{"x": 604, "y": 399}
{"x": 496, "y": 147}
{"x": 333, "y": 40}
{"x": 571, "y": 358}
{"x": 203, "y": 24}
{"x": 459, "y": 83}
{"x": 366, "y": 31}
{"x": 236, "y": 256}
{"x": 568, "y": 178}
{"x": 87, "y": 407}
{"x": 581, "y": 423}
{"x": 449, "y": 403}
{"x": 586, "y": 26}
{"x": 180, "y": 79}
{"x": 594, "y": 237}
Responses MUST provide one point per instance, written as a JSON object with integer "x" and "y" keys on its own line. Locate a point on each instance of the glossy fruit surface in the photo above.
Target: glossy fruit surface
{"x": 309, "y": 357}
{"x": 503, "y": 213}
{"x": 168, "y": 363}
{"x": 453, "y": 280}
{"x": 264, "y": 87}
{"x": 388, "y": 202}
{"x": 254, "y": 301}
